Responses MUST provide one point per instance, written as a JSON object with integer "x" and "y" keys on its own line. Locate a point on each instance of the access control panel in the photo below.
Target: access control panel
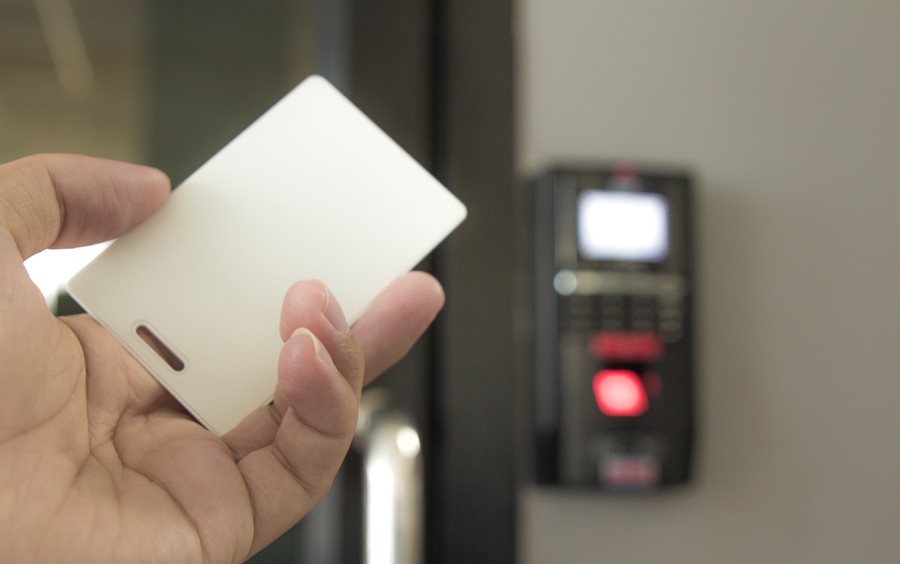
{"x": 613, "y": 327}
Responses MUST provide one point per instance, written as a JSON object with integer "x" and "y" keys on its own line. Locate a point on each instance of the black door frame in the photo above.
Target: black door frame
{"x": 438, "y": 76}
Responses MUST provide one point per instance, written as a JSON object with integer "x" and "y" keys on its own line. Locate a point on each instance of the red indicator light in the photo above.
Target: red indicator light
{"x": 620, "y": 393}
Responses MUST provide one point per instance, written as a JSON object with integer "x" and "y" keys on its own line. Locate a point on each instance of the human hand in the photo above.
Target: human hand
{"x": 98, "y": 463}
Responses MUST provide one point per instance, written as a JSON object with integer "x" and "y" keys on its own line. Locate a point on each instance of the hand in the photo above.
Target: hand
{"x": 97, "y": 462}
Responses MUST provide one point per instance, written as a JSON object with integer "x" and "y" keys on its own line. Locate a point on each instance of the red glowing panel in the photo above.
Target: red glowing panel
{"x": 620, "y": 393}
{"x": 615, "y": 346}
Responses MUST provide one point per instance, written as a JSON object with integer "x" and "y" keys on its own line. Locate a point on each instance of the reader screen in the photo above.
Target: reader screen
{"x": 615, "y": 225}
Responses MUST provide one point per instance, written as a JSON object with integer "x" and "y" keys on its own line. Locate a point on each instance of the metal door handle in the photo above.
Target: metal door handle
{"x": 394, "y": 482}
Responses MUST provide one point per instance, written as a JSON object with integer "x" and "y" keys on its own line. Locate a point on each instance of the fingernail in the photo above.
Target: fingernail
{"x": 321, "y": 352}
{"x": 335, "y": 315}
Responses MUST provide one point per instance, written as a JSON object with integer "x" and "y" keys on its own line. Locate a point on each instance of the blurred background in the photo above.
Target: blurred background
{"x": 786, "y": 112}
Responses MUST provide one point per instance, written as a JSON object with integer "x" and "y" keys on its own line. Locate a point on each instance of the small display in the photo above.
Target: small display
{"x": 615, "y": 225}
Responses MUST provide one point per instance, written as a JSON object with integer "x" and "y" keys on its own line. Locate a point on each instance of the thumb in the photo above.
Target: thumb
{"x": 70, "y": 201}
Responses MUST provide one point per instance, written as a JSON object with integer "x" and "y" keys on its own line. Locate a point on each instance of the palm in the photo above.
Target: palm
{"x": 138, "y": 461}
{"x": 98, "y": 462}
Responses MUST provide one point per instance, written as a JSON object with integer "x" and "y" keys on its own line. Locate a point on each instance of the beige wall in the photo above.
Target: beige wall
{"x": 790, "y": 113}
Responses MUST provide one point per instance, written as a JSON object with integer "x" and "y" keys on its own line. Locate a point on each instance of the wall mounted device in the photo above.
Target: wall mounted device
{"x": 613, "y": 327}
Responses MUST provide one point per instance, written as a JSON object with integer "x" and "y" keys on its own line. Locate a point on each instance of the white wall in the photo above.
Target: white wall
{"x": 790, "y": 113}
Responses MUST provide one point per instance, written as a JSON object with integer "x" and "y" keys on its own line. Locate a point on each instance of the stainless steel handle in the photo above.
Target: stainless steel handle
{"x": 394, "y": 482}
